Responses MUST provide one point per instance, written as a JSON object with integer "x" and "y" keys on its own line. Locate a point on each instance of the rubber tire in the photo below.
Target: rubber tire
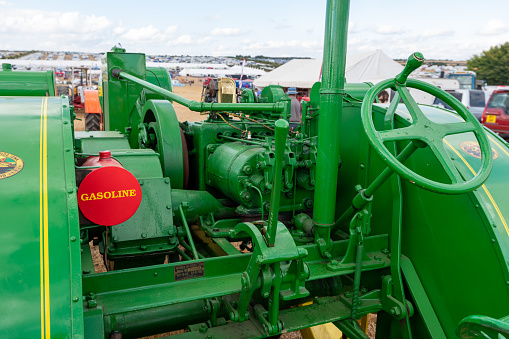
{"x": 92, "y": 122}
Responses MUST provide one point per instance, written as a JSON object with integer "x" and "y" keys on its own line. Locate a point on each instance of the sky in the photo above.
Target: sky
{"x": 440, "y": 29}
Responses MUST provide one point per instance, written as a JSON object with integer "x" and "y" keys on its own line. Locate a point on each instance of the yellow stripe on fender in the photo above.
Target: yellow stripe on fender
{"x": 483, "y": 186}
{"x": 43, "y": 223}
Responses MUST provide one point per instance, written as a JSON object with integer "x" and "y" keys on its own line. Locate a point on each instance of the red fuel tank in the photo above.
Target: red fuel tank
{"x": 109, "y": 194}
{"x": 103, "y": 160}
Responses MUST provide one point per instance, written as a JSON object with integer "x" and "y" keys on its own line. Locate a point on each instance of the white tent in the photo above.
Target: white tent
{"x": 235, "y": 70}
{"x": 303, "y": 73}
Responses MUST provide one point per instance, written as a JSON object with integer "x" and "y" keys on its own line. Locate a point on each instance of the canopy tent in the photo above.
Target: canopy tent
{"x": 303, "y": 73}
{"x": 235, "y": 70}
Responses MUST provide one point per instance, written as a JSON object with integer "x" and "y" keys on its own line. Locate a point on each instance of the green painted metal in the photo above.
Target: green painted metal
{"x": 26, "y": 83}
{"x": 331, "y": 110}
{"x": 282, "y": 128}
{"x": 340, "y": 241}
{"x": 117, "y": 113}
{"x": 162, "y": 134}
{"x": 428, "y": 133}
{"x": 40, "y": 267}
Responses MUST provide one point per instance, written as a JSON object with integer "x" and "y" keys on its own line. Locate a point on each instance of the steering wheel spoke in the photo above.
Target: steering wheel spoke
{"x": 431, "y": 133}
{"x": 405, "y": 133}
{"x": 446, "y": 161}
{"x": 413, "y": 108}
{"x": 457, "y": 128}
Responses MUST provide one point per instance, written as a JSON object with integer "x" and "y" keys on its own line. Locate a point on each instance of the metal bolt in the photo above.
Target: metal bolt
{"x": 385, "y": 251}
{"x": 155, "y": 274}
{"x": 247, "y": 169}
{"x": 75, "y": 299}
{"x": 309, "y": 203}
{"x": 378, "y": 258}
{"x": 348, "y": 294}
{"x": 143, "y": 247}
{"x": 266, "y": 294}
{"x": 70, "y": 190}
{"x": 334, "y": 262}
{"x": 144, "y": 235}
{"x": 168, "y": 206}
{"x": 66, "y": 122}
{"x": 362, "y": 166}
{"x": 167, "y": 180}
{"x": 395, "y": 311}
{"x": 73, "y": 238}
{"x": 115, "y": 238}
{"x": 67, "y": 149}
{"x": 140, "y": 182}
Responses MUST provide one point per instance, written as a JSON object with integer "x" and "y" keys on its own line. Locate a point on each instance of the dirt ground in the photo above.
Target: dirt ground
{"x": 191, "y": 92}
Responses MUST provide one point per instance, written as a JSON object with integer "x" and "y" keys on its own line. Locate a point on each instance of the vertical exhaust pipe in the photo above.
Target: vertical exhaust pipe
{"x": 331, "y": 109}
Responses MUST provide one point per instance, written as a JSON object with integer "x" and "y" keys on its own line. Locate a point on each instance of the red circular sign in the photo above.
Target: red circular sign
{"x": 109, "y": 196}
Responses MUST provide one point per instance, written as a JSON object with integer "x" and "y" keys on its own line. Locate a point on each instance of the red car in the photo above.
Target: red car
{"x": 496, "y": 113}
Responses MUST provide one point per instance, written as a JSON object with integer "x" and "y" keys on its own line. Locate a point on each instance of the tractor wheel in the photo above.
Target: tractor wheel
{"x": 92, "y": 122}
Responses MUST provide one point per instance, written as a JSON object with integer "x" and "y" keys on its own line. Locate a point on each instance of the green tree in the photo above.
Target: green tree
{"x": 492, "y": 65}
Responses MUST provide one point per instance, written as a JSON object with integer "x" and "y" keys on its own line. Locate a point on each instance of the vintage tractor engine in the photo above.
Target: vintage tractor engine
{"x": 237, "y": 227}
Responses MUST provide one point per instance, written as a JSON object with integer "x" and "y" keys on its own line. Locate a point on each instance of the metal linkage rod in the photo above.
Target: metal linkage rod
{"x": 188, "y": 233}
{"x": 364, "y": 196}
{"x": 282, "y": 128}
{"x": 197, "y": 106}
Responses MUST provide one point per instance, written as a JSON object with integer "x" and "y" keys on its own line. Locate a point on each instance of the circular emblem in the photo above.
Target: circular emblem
{"x": 473, "y": 148}
{"x": 9, "y": 165}
{"x": 109, "y": 196}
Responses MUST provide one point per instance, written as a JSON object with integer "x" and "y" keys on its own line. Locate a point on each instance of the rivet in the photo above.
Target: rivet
{"x": 140, "y": 182}
{"x": 167, "y": 180}
{"x": 144, "y": 235}
{"x": 66, "y": 122}
{"x": 75, "y": 299}
{"x": 67, "y": 149}
{"x": 73, "y": 238}
{"x": 155, "y": 274}
{"x": 70, "y": 190}
{"x": 168, "y": 206}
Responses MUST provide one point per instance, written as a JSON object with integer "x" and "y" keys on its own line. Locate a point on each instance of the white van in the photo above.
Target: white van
{"x": 473, "y": 99}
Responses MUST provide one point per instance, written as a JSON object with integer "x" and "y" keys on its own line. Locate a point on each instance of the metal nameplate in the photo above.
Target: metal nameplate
{"x": 189, "y": 271}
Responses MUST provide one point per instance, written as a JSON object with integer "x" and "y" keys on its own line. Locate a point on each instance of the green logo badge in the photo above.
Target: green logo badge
{"x": 9, "y": 165}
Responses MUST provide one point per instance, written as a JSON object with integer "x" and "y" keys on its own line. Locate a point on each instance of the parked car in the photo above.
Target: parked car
{"x": 496, "y": 113}
{"x": 473, "y": 99}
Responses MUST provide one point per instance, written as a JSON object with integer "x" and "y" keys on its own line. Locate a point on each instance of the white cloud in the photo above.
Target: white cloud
{"x": 388, "y": 29}
{"x": 37, "y": 21}
{"x": 225, "y": 31}
{"x": 493, "y": 27}
{"x": 4, "y": 3}
{"x": 428, "y": 33}
{"x": 119, "y": 30}
{"x": 268, "y": 46}
{"x": 183, "y": 40}
{"x": 149, "y": 34}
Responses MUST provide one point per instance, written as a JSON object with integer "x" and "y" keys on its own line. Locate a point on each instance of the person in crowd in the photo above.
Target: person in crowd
{"x": 296, "y": 115}
{"x": 383, "y": 97}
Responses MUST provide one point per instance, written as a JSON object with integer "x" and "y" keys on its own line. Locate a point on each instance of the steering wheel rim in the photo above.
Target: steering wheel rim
{"x": 433, "y": 138}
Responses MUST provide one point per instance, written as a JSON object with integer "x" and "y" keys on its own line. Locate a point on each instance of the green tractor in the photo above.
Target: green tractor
{"x": 232, "y": 227}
